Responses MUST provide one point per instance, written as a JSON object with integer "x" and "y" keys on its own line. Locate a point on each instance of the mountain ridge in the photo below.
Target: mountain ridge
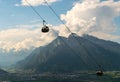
{"x": 75, "y": 52}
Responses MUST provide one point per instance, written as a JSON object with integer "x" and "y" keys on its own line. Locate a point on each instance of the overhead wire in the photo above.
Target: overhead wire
{"x": 61, "y": 22}
{"x": 57, "y": 15}
{"x": 34, "y": 10}
{"x": 92, "y": 57}
{"x": 68, "y": 29}
{"x": 76, "y": 53}
{"x": 54, "y": 31}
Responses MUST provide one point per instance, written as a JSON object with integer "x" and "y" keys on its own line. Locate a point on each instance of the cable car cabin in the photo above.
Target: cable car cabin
{"x": 99, "y": 73}
{"x": 45, "y": 29}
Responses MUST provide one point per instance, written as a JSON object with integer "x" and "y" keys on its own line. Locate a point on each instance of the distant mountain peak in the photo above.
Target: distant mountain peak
{"x": 72, "y": 54}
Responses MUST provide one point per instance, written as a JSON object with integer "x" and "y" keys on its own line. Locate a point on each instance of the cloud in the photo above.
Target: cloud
{"x": 35, "y": 2}
{"x": 106, "y": 36}
{"x": 89, "y": 16}
{"x": 19, "y": 38}
{"x": 61, "y": 31}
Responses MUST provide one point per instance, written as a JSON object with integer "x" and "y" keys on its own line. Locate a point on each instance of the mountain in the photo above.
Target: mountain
{"x": 3, "y": 72}
{"x": 73, "y": 54}
{"x": 8, "y": 58}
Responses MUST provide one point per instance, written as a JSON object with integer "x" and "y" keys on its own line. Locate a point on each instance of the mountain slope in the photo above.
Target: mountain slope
{"x": 2, "y": 72}
{"x": 72, "y": 54}
{"x": 8, "y": 58}
{"x": 112, "y": 46}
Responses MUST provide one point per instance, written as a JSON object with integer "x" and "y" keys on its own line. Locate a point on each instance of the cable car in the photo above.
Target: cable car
{"x": 45, "y": 28}
{"x": 99, "y": 73}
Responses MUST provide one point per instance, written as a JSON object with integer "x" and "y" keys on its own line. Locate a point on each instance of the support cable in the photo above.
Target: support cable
{"x": 34, "y": 10}
{"x": 57, "y": 15}
{"x": 61, "y": 22}
{"x": 68, "y": 29}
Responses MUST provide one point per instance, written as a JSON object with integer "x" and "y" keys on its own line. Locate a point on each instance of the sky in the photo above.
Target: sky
{"x": 20, "y": 26}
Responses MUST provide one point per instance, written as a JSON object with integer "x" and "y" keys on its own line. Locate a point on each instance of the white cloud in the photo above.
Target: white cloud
{"x": 89, "y": 16}
{"x": 35, "y": 2}
{"x": 61, "y": 31}
{"x": 92, "y": 16}
{"x": 106, "y": 36}
{"x": 18, "y": 39}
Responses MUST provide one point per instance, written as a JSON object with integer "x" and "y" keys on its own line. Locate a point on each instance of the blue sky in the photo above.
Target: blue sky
{"x": 100, "y": 18}
{"x": 12, "y": 15}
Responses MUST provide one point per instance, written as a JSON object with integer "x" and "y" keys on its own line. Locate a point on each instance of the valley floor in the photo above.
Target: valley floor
{"x": 113, "y": 76}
